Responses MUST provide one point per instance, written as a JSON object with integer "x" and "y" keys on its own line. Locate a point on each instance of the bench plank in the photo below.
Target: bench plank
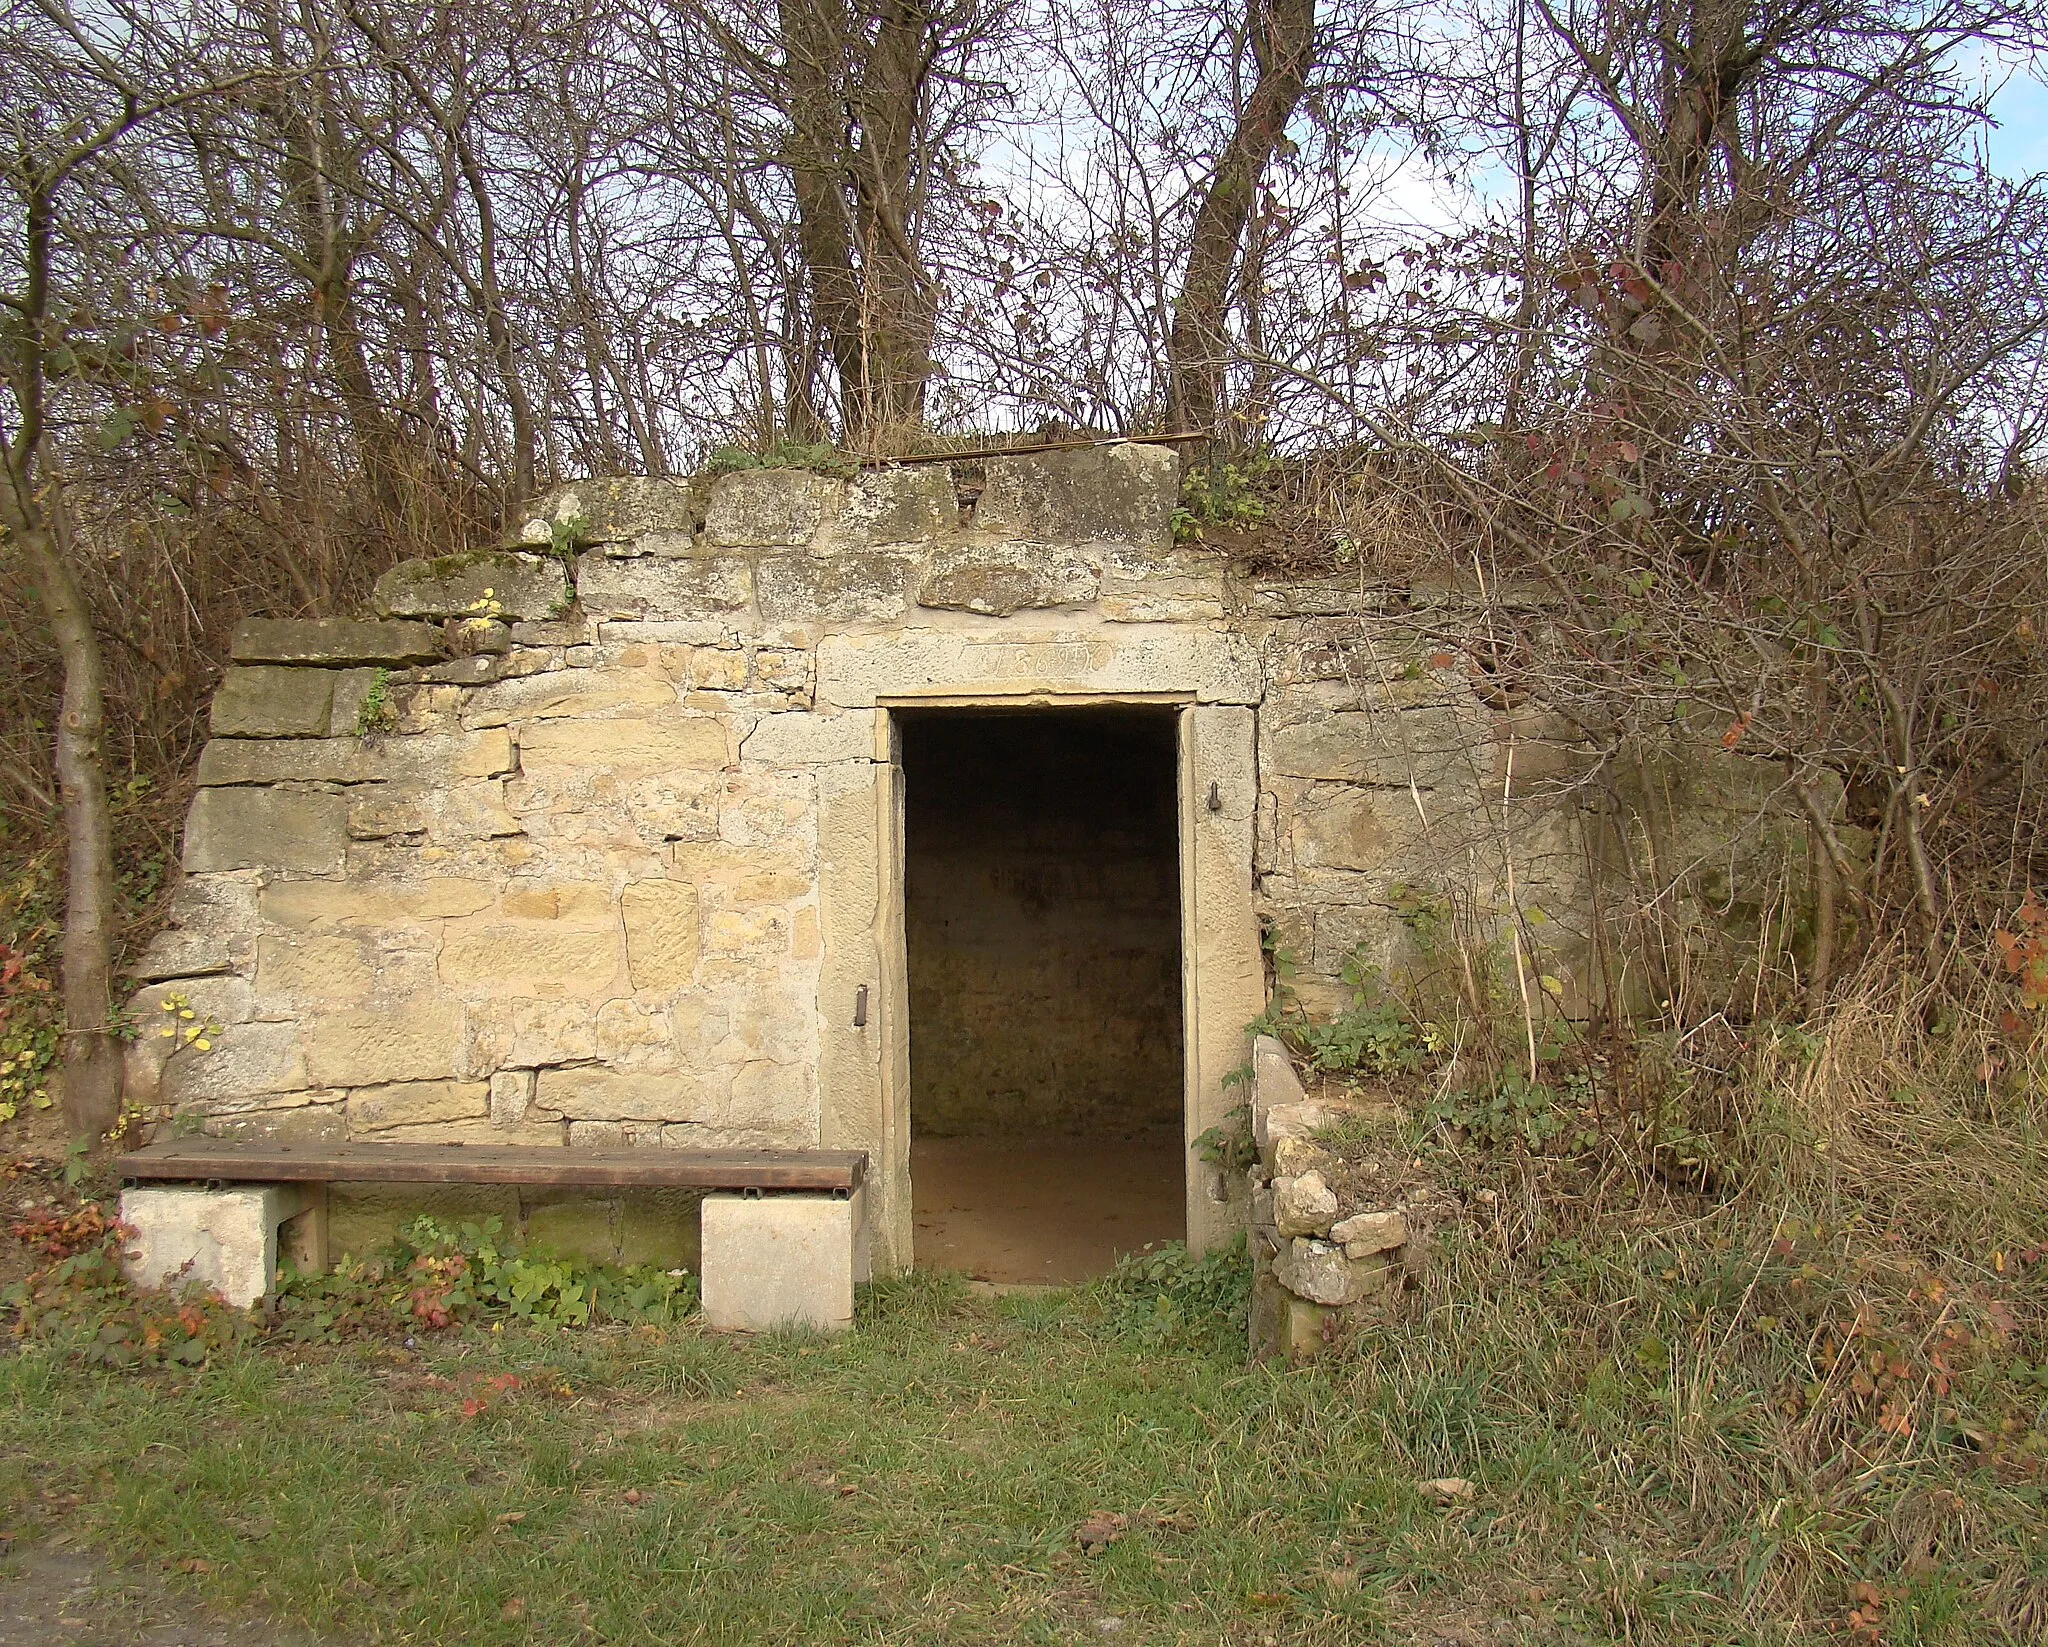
{"x": 232, "y": 1160}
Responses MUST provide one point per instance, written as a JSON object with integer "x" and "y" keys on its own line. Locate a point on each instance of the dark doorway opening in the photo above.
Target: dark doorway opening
{"x": 1042, "y": 926}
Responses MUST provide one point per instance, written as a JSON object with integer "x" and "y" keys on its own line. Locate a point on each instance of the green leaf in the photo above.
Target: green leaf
{"x": 119, "y": 425}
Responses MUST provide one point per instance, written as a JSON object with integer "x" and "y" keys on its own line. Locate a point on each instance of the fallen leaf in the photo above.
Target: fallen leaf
{"x": 511, "y": 1518}
{"x": 632, "y": 1495}
{"x": 1448, "y": 1489}
{"x": 515, "y": 1608}
{"x": 1099, "y": 1531}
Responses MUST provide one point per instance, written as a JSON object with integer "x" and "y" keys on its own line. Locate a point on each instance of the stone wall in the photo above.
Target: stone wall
{"x": 595, "y": 849}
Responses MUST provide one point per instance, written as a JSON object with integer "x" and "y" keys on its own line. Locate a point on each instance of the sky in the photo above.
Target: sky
{"x": 2019, "y": 147}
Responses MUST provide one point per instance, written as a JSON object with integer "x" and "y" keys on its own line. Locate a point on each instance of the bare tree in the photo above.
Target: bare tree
{"x": 1281, "y": 38}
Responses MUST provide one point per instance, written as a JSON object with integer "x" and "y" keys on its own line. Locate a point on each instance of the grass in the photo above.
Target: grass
{"x": 1809, "y": 1407}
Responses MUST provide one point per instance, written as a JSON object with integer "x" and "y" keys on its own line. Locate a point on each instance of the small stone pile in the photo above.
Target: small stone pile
{"x": 1331, "y": 1232}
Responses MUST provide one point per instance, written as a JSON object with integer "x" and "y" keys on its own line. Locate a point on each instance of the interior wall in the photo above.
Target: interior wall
{"x": 1042, "y": 921}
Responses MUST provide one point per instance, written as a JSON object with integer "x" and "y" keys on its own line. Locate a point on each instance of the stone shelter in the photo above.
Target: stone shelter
{"x": 787, "y": 809}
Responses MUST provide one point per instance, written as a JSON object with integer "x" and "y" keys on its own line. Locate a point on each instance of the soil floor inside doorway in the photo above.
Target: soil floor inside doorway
{"x": 1043, "y": 1210}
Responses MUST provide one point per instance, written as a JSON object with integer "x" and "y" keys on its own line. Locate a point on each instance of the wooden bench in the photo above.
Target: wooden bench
{"x": 784, "y": 1232}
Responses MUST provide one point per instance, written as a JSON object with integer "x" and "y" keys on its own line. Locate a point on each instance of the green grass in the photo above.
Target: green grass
{"x": 922, "y": 1479}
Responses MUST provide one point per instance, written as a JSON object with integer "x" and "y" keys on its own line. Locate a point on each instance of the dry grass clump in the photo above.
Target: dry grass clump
{"x": 1811, "y": 1401}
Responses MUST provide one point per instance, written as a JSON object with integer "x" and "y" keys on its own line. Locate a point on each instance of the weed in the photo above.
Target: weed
{"x": 1512, "y": 1111}
{"x": 1168, "y": 1296}
{"x": 440, "y": 1274}
{"x": 1229, "y": 1143}
{"x": 818, "y": 458}
{"x": 1232, "y": 496}
{"x": 376, "y": 713}
{"x": 566, "y": 536}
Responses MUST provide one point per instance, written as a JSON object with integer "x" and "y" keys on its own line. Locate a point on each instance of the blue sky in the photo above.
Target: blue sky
{"x": 2019, "y": 147}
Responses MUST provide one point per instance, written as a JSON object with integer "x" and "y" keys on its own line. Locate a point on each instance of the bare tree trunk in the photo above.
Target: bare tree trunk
{"x": 898, "y": 297}
{"x": 1283, "y": 43}
{"x": 92, "y": 1056}
{"x": 855, "y": 107}
{"x": 814, "y": 42}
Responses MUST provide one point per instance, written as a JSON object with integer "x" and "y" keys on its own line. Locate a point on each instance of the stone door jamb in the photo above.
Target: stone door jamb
{"x": 865, "y": 1067}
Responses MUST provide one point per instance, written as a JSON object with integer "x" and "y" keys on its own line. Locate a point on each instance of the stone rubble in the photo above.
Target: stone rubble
{"x": 1319, "y": 1256}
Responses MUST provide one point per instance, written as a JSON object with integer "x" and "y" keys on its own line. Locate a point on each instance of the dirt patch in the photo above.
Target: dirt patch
{"x": 55, "y": 1596}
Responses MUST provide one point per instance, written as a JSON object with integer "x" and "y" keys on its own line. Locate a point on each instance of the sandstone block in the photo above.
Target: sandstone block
{"x": 1338, "y": 827}
{"x": 1274, "y": 1084}
{"x": 661, "y": 934}
{"x": 1293, "y": 1156}
{"x": 906, "y": 505}
{"x": 798, "y": 738}
{"x": 529, "y": 960}
{"x": 581, "y": 694}
{"x": 511, "y": 1091}
{"x": 1297, "y": 1125}
{"x": 582, "y": 903}
{"x": 471, "y": 810}
{"x": 996, "y": 580}
{"x": 632, "y": 1038}
{"x": 769, "y": 508}
{"x": 665, "y": 588}
{"x": 302, "y": 1124}
{"x": 352, "y": 689}
{"x": 618, "y": 509}
{"x": 512, "y": 1030}
{"x": 717, "y": 669}
{"x": 596, "y": 1094}
{"x": 334, "y": 641}
{"x": 772, "y": 1098}
{"x": 461, "y": 586}
{"x": 576, "y": 1225}
{"x": 303, "y": 906}
{"x": 1429, "y": 747}
{"x": 230, "y": 761}
{"x": 362, "y": 1047}
{"x": 780, "y": 1261}
{"x": 320, "y": 970}
{"x": 1320, "y": 599}
{"x": 1366, "y": 1233}
{"x": 224, "y": 1240}
{"x": 1116, "y": 494}
{"x": 265, "y": 829}
{"x": 1327, "y": 1275}
{"x": 1303, "y": 1206}
{"x": 422, "y": 758}
{"x": 852, "y": 587}
{"x": 413, "y": 1103}
{"x": 1285, "y": 1326}
{"x": 178, "y": 952}
{"x": 268, "y": 702}
{"x": 680, "y": 806}
{"x": 636, "y": 747}
{"x": 252, "y": 1063}
{"x": 1176, "y": 601}
{"x": 760, "y": 933}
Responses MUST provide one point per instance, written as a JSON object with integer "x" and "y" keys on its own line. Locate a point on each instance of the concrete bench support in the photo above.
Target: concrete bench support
{"x": 782, "y": 1260}
{"x": 222, "y": 1238}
